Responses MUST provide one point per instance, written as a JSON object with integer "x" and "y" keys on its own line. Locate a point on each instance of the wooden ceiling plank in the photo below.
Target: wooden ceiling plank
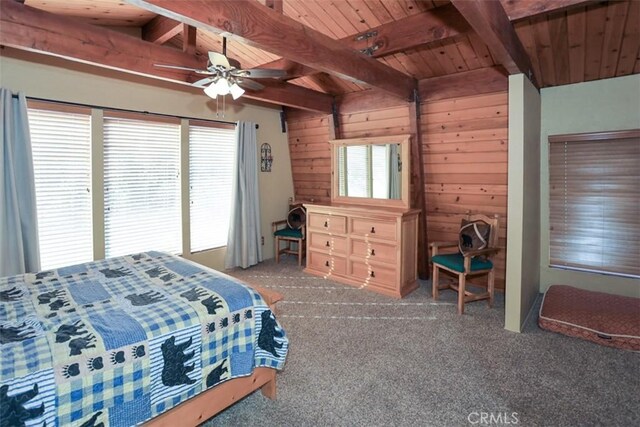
{"x": 525, "y": 33}
{"x": 614, "y": 31}
{"x": 468, "y": 53}
{"x": 441, "y": 57}
{"x": 451, "y": 50}
{"x": 252, "y": 23}
{"x": 630, "y": 41}
{"x": 576, "y": 27}
{"x": 25, "y": 28}
{"x": 311, "y": 20}
{"x": 491, "y": 23}
{"x": 351, "y": 15}
{"x": 596, "y": 16}
{"x": 431, "y": 56}
{"x": 424, "y": 69}
{"x": 360, "y": 6}
{"x": 558, "y": 32}
{"x": 379, "y": 11}
{"x": 481, "y": 49}
{"x": 518, "y": 10}
{"x": 161, "y": 29}
{"x": 542, "y": 38}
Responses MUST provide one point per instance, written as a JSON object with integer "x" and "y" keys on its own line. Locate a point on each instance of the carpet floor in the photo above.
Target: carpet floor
{"x": 361, "y": 359}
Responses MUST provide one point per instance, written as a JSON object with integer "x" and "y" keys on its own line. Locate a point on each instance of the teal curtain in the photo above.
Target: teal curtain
{"x": 244, "y": 246}
{"x": 19, "y": 251}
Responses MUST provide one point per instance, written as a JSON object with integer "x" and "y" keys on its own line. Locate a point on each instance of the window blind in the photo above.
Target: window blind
{"x": 61, "y": 145}
{"x": 595, "y": 204}
{"x": 380, "y": 171}
{"x": 141, "y": 186}
{"x": 358, "y": 167}
{"x": 211, "y": 159}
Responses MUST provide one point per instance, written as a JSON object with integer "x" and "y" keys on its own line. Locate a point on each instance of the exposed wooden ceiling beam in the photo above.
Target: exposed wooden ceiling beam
{"x": 407, "y": 33}
{"x": 410, "y": 32}
{"x": 161, "y": 29}
{"x": 189, "y": 35}
{"x": 255, "y": 24}
{"x": 27, "y": 28}
{"x": 491, "y": 23}
{"x": 518, "y": 10}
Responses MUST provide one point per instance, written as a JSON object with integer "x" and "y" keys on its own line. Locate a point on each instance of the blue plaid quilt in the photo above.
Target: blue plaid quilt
{"x": 119, "y": 341}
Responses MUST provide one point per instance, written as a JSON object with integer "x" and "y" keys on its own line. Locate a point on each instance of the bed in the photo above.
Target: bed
{"x": 146, "y": 338}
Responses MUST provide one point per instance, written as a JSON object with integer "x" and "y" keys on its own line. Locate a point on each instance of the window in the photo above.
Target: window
{"x": 141, "y": 186}
{"x": 367, "y": 170}
{"x": 211, "y": 160}
{"x": 594, "y": 202}
{"x": 61, "y": 145}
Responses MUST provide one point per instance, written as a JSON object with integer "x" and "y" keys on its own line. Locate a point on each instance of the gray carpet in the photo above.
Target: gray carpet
{"x": 360, "y": 359}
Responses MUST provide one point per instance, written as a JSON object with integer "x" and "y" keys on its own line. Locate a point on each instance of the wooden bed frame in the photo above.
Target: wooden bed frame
{"x": 205, "y": 405}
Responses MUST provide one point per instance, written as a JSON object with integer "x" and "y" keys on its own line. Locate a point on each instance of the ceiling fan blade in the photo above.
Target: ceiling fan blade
{"x": 265, "y": 73}
{"x": 251, "y": 85}
{"x": 203, "y": 82}
{"x": 218, "y": 59}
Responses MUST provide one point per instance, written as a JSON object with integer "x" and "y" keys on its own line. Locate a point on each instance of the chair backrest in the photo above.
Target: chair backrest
{"x": 491, "y": 220}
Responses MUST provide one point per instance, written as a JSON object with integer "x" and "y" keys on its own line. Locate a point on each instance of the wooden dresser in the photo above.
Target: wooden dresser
{"x": 371, "y": 248}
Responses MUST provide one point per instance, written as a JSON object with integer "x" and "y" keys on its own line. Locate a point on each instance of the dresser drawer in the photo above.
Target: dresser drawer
{"x": 374, "y": 228}
{"x": 382, "y": 276}
{"x": 330, "y": 223}
{"x": 374, "y": 251}
{"x": 327, "y": 242}
{"x": 326, "y": 263}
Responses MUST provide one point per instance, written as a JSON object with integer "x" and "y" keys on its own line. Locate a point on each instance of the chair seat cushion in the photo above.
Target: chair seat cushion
{"x": 289, "y": 232}
{"x": 456, "y": 262}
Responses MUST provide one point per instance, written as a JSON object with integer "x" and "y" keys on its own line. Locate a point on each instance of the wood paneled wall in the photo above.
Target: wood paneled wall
{"x": 464, "y": 146}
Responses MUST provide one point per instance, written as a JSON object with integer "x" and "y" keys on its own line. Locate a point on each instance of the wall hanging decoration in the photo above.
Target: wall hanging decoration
{"x": 265, "y": 158}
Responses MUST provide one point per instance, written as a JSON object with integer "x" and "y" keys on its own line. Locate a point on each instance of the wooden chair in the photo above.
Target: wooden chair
{"x": 292, "y": 232}
{"x": 473, "y": 263}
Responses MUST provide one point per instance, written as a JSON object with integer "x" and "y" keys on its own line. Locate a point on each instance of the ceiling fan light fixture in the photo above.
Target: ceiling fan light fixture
{"x": 222, "y": 86}
{"x": 211, "y": 91}
{"x": 236, "y": 91}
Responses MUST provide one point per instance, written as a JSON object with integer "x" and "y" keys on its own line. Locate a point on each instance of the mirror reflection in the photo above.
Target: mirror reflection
{"x": 371, "y": 171}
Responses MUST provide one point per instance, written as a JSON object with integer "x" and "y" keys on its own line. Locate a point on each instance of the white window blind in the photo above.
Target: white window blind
{"x": 358, "y": 171}
{"x": 380, "y": 171}
{"x": 211, "y": 160}
{"x": 61, "y": 144}
{"x": 141, "y": 186}
{"x": 594, "y": 203}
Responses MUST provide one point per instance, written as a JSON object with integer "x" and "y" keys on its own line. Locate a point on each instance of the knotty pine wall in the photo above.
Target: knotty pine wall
{"x": 464, "y": 146}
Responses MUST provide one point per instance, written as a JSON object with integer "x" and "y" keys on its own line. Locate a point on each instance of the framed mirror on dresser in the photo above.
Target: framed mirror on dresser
{"x": 367, "y": 236}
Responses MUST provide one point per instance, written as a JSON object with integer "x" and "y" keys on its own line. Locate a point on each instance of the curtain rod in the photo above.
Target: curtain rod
{"x": 77, "y": 104}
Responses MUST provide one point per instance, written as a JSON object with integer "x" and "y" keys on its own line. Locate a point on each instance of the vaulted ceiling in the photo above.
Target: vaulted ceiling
{"x": 319, "y": 42}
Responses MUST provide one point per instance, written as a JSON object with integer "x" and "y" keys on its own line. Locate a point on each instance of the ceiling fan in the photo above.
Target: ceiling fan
{"x": 224, "y": 78}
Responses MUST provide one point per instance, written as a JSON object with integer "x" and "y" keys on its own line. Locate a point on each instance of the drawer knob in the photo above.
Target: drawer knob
{"x": 326, "y": 263}
{"x": 373, "y": 230}
{"x": 373, "y": 274}
{"x": 326, "y": 224}
{"x": 373, "y": 252}
{"x": 327, "y": 245}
